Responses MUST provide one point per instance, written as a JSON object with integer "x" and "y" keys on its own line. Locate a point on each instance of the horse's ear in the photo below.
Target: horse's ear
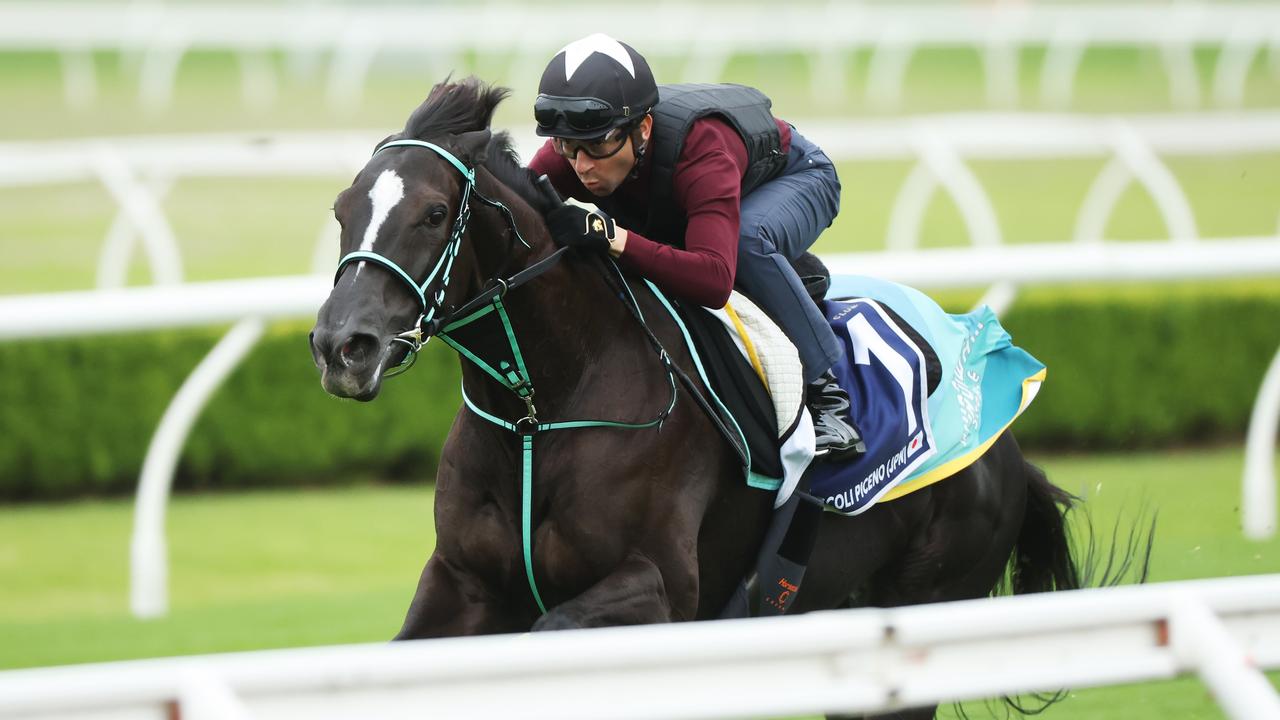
{"x": 474, "y": 145}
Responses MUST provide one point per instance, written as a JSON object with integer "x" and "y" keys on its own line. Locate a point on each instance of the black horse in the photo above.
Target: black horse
{"x": 625, "y": 525}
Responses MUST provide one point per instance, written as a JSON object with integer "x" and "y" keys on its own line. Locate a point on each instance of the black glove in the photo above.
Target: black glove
{"x": 574, "y": 226}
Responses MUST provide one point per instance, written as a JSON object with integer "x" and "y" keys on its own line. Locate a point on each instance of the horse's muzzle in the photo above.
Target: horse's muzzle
{"x": 350, "y": 363}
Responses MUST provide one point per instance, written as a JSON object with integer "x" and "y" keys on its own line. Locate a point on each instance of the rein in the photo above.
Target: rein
{"x": 619, "y": 285}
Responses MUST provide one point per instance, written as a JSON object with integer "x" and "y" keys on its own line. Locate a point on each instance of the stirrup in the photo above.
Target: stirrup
{"x": 836, "y": 438}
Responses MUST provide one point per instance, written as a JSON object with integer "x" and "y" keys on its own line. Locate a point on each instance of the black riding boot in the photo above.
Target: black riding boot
{"x": 837, "y": 437}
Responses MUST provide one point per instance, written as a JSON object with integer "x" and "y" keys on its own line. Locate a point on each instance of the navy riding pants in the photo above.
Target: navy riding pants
{"x": 780, "y": 220}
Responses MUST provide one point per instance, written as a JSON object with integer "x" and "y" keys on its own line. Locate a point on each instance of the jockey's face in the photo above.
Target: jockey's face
{"x": 602, "y": 175}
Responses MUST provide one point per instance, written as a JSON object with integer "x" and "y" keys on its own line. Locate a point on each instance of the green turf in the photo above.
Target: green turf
{"x": 52, "y": 236}
{"x": 285, "y": 569}
{"x": 1196, "y": 494}
{"x": 1038, "y": 201}
{"x": 53, "y": 239}
{"x": 250, "y": 570}
{"x": 207, "y": 93}
{"x": 1184, "y": 698}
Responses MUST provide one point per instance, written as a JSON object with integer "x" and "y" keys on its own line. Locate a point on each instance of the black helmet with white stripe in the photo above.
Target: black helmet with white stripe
{"x": 592, "y": 86}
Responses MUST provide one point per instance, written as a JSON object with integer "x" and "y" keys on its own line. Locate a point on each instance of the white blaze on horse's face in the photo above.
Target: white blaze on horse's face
{"x": 385, "y": 194}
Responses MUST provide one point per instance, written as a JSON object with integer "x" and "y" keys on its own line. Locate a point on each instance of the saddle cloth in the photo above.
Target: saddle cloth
{"x": 930, "y": 391}
{"x": 917, "y": 435}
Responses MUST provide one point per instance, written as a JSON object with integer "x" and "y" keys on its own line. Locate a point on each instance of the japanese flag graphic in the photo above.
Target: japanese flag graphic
{"x": 916, "y": 443}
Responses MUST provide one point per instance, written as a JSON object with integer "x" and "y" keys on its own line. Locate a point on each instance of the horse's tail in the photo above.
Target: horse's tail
{"x": 1042, "y": 560}
{"x": 1047, "y": 556}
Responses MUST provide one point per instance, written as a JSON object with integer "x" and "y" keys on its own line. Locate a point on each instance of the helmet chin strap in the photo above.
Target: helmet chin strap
{"x": 639, "y": 152}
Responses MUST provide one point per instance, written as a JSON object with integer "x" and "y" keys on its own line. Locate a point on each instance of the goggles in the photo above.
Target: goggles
{"x": 579, "y": 114}
{"x": 599, "y": 148}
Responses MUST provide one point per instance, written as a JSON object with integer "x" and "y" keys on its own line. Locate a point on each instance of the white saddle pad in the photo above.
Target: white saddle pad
{"x": 783, "y": 374}
{"x": 784, "y": 380}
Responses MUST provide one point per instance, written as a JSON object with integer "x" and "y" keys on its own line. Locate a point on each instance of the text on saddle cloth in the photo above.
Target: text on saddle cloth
{"x": 916, "y": 434}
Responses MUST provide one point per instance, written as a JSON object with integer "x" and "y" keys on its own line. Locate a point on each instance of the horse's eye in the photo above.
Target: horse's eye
{"x": 436, "y": 216}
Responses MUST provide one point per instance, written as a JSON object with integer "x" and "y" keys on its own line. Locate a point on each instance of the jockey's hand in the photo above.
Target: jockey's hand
{"x": 574, "y": 226}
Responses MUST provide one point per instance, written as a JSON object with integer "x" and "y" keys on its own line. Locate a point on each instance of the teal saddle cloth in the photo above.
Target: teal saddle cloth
{"x": 930, "y": 391}
{"x": 917, "y": 433}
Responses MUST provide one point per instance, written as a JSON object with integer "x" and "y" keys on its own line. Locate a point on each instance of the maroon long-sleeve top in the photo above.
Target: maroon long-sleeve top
{"x": 707, "y": 189}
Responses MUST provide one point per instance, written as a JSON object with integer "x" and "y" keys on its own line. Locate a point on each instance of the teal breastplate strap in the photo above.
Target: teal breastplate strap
{"x": 506, "y": 365}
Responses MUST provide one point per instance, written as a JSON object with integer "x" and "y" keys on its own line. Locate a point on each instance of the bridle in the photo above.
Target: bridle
{"x": 428, "y": 325}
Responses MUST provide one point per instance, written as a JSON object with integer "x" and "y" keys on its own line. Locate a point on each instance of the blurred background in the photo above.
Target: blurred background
{"x": 174, "y": 142}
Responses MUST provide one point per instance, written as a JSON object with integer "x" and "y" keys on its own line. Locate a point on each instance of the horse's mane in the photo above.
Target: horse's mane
{"x": 466, "y": 106}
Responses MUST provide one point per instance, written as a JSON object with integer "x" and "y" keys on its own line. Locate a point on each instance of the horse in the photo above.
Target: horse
{"x": 626, "y": 519}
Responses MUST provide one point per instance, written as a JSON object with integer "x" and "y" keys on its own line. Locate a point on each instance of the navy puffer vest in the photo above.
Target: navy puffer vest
{"x": 745, "y": 108}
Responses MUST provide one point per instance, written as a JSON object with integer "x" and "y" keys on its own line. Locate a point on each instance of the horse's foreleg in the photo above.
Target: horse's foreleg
{"x": 634, "y": 593}
{"x": 449, "y": 602}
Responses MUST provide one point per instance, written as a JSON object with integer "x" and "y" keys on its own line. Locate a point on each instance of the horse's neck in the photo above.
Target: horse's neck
{"x": 567, "y": 322}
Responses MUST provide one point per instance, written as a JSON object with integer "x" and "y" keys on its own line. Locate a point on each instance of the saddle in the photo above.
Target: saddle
{"x": 756, "y": 379}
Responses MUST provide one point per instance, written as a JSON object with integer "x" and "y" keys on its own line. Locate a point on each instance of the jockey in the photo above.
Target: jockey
{"x": 708, "y": 191}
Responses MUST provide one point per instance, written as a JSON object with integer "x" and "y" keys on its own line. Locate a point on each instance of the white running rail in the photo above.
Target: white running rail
{"x": 707, "y": 35}
{"x": 1226, "y": 631}
{"x": 137, "y": 171}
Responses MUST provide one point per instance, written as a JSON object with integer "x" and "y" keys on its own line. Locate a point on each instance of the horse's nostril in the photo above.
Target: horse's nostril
{"x": 358, "y": 350}
{"x": 321, "y": 346}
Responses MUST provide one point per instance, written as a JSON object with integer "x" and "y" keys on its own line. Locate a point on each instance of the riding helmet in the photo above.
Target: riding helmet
{"x": 592, "y": 86}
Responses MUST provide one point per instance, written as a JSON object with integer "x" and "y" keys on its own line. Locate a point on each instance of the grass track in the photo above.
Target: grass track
{"x": 284, "y": 569}
{"x": 248, "y": 570}
{"x": 51, "y": 236}
{"x": 52, "y": 239}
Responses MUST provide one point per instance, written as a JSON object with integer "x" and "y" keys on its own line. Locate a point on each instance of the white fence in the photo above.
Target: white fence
{"x": 851, "y": 661}
{"x": 137, "y": 172}
{"x": 707, "y": 34}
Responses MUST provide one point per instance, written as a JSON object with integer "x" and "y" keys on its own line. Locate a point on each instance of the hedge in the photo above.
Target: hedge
{"x": 1146, "y": 370}
{"x": 1126, "y": 370}
{"x": 77, "y": 416}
